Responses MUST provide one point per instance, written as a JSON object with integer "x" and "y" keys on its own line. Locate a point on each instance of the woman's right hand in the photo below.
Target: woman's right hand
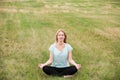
{"x": 41, "y": 65}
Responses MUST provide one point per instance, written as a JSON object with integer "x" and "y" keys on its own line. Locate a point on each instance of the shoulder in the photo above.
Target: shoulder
{"x": 68, "y": 45}
{"x": 52, "y": 46}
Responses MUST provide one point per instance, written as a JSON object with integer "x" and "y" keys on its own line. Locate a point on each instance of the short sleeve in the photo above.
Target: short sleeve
{"x": 69, "y": 47}
{"x": 51, "y": 48}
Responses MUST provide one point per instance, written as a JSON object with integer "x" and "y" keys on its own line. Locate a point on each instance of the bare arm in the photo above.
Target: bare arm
{"x": 49, "y": 61}
{"x": 72, "y": 61}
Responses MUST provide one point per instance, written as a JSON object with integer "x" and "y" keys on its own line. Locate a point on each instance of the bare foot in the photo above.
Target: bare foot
{"x": 68, "y": 76}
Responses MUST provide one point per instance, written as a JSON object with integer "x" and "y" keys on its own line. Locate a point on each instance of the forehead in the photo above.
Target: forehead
{"x": 60, "y": 32}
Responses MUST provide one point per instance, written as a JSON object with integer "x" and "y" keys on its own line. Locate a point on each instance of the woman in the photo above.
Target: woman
{"x": 60, "y": 57}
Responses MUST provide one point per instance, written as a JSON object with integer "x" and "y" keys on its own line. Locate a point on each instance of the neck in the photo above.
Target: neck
{"x": 60, "y": 43}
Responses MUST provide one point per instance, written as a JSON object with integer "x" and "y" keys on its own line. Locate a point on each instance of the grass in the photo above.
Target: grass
{"x": 28, "y": 27}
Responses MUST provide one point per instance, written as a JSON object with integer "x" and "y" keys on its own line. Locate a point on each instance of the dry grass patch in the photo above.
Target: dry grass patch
{"x": 113, "y": 31}
{"x": 13, "y": 0}
{"x": 110, "y": 32}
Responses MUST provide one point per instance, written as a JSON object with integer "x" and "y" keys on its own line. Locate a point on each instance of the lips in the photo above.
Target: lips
{"x": 60, "y": 38}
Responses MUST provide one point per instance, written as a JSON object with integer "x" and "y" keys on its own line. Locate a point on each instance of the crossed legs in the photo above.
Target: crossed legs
{"x": 60, "y": 71}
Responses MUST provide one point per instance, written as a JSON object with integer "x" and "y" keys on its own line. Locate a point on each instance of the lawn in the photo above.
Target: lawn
{"x": 28, "y": 27}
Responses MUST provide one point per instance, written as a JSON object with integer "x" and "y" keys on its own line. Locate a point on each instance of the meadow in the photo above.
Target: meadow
{"x": 28, "y": 28}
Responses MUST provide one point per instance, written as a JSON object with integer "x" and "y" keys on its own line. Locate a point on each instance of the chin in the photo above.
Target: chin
{"x": 60, "y": 40}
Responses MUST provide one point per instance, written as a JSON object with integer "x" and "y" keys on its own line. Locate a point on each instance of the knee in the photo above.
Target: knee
{"x": 75, "y": 69}
{"x": 45, "y": 68}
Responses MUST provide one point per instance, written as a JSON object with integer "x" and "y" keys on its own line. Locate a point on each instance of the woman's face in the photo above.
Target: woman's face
{"x": 60, "y": 36}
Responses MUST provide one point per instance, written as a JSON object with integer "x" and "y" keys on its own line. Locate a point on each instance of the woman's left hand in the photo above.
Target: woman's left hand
{"x": 78, "y": 66}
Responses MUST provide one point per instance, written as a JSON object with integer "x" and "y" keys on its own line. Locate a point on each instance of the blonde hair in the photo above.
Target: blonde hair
{"x": 60, "y": 30}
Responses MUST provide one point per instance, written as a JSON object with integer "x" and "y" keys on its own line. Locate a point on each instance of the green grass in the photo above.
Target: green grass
{"x": 28, "y": 27}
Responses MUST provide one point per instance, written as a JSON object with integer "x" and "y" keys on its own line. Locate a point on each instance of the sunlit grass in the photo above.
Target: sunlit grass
{"x": 28, "y": 27}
